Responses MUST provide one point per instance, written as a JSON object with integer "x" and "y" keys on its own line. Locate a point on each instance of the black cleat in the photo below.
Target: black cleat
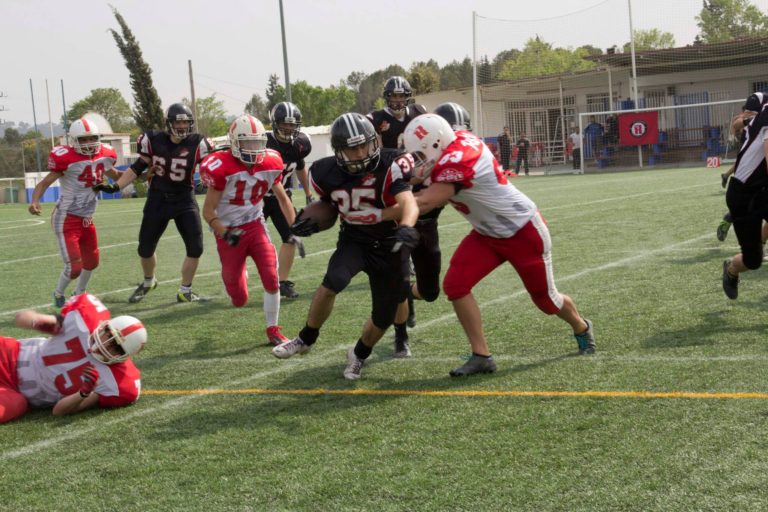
{"x": 730, "y": 283}
{"x": 287, "y": 291}
{"x": 722, "y": 230}
{"x": 189, "y": 296}
{"x": 141, "y": 291}
{"x": 402, "y": 349}
{"x": 475, "y": 364}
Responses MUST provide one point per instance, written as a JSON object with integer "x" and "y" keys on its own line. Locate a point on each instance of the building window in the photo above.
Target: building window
{"x": 759, "y": 85}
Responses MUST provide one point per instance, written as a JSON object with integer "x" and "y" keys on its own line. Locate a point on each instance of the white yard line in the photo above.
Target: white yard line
{"x": 81, "y": 429}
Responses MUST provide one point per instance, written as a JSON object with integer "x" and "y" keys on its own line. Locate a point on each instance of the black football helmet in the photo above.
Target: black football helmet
{"x": 456, "y": 115}
{"x": 179, "y": 112}
{"x": 397, "y": 85}
{"x": 285, "y": 113}
{"x": 348, "y": 132}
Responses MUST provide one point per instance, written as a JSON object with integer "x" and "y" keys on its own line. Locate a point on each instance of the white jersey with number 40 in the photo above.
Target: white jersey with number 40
{"x": 77, "y": 175}
{"x": 493, "y": 206}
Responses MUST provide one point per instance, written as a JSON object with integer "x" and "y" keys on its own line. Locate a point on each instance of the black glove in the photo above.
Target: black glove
{"x": 304, "y": 227}
{"x": 109, "y": 188}
{"x": 232, "y": 236}
{"x": 406, "y": 236}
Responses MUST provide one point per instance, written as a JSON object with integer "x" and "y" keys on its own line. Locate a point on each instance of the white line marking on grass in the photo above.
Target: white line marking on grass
{"x": 34, "y": 222}
{"x": 80, "y": 429}
{"x": 56, "y": 255}
{"x": 545, "y": 209}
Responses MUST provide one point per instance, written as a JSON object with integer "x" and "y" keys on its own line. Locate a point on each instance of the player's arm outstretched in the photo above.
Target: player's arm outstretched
{"x": 40, "y": 188}
{"x": 48, "y": 324}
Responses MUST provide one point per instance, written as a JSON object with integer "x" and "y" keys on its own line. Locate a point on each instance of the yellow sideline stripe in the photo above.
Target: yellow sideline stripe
{"x": 411, "y": 392}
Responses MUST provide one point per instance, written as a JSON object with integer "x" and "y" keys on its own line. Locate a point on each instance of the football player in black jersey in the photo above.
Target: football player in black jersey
{"x": 169, "y": 158}
{"x": 293, "y": 146}
{"x": 390, "y": 123}
{"x": 360, "y": 176}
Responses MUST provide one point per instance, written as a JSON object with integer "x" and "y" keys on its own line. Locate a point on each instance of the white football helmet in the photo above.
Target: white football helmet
{"x": 117, "y": 339}
{"x": 425, "y": 138}
{"x": 82, "y": 128}
{"x": 248, "y": 139}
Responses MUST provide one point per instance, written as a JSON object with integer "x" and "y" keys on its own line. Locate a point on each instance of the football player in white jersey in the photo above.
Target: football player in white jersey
{"x": 459, "y": 169}
{"x": 78, "y": 168}
{"x": 237, "y": 181}
{"x": 85, "y": 363}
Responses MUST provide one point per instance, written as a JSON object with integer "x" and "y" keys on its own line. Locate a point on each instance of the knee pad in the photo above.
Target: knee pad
{"x": 145, "y": 252}
{"x": 240, "y": 301}
{"x": 195, "y": 248}
{"x": 455, "y": 290}
{"x": 430, "y": 295}
{"x": 545, "y": 304}
{"x": 75, "y": 267}
{"x": 380, "y": 319}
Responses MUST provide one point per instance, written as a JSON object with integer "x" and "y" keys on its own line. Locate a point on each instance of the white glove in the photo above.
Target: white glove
{"x": 366, "y": 216}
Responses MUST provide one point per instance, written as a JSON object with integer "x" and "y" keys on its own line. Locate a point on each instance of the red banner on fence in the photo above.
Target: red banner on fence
{"x": 638, "y": 128}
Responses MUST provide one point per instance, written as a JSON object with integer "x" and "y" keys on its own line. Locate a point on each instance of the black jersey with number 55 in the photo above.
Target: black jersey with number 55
{"x": 372, "y": 189}
{"x": 177, "y": 162}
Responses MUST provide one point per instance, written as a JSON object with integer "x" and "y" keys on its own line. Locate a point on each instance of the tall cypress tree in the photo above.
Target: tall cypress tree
{"x": 147, "y": 111}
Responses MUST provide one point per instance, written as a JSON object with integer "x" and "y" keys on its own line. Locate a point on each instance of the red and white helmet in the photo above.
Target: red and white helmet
{"x": 425, "y": 138}
{"x": 117, "y": 339}
{"x": 85, "y": 129}
{"x": 248, "y": 139}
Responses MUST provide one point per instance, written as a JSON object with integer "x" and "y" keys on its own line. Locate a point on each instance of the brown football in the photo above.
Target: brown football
{"x": 322, "y": 213}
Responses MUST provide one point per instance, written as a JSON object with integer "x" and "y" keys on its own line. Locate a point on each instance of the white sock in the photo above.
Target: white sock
{"x": 61, "y": 286}
{"x": 82, "y": 282}
{"x": 271, "y": 307}
{"x": 149, "y": 282}
{"x": 185, "y": 289}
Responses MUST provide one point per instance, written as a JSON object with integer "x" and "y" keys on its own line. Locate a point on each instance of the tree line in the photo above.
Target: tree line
{"x": 718, "y": 21}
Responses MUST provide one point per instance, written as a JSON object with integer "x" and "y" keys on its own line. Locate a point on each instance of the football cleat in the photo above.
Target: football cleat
{"x": 730, "y": 283}
{"x": 722, "y": 230}
{"x": 402, "y": 349}
{"x": 141, "y": 291}
{"x": 287, "y": 291}
{"x": 354, "y": 365}
{"x": 586, "y": 340}
{"x": 59, "y": 300}
{"x": 189, "y": 296}
{"x": 291, "y": 348}
{"x": 275, "y": 336}
{"x": 475, "y": 364}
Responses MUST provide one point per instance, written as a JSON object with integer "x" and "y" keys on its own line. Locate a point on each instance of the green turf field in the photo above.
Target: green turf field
{"x": 637, "y": 252}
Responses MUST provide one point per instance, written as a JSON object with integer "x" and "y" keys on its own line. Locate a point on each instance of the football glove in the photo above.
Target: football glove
{"x": 232, "y": 236}
{"x": 89, "y": 378}
{"x": 304, "y": 227}
{"x": 109, "y": 188}
{"x": 406, "y": 236}
{"x": 48, "y": 327}
{"x": 366, "y": 216}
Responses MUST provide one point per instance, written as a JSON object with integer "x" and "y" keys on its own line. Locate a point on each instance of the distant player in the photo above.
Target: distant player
{"x": 238, "y": 181}
{"x": 506, "y": 227}
{"x": 359, "y": 176}
{"x": 78, "y": 168}
{"x": 390, "y": 123}
{"x": 171, "y": 157}
{"x": 293, "y": 146}
{"x": 85, "y": 363}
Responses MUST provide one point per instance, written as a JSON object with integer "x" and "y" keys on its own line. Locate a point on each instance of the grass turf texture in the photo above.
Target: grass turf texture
{"x": 637, "y": 252}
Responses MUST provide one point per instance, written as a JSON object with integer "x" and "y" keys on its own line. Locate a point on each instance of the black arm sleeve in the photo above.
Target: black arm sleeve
{"x": 139, "y": 166}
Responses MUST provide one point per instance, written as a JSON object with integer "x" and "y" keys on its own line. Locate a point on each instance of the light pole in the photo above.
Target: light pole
{"x": 285, "y": 55}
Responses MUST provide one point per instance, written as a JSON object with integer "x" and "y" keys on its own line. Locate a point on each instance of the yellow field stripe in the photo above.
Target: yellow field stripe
{"x": 412, "y": 392}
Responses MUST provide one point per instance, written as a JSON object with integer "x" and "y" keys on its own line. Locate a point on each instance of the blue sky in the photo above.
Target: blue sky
{"x": 235, "y": 45}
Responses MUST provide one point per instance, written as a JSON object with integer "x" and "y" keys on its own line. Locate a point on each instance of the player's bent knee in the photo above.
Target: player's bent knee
{"x": 430, "y": 295}
{"x": 545, "y": 304}
{"x": 12, "y": 405}
{"x": 239, "y": 301}
{"x": 752, "y": 261}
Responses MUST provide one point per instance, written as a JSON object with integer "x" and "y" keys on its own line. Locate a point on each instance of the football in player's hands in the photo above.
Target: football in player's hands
{"x": 316, "y": 216}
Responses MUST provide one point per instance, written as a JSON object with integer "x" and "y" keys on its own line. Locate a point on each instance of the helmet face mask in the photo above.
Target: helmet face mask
{"x": 114, "y": 341}
{"x": 286, "y": 121}
{"x": 248, "y": 140}
{"x": 85, "y": 137}
{"x": 179, "y": 121}
{"x": 355, "y": 143}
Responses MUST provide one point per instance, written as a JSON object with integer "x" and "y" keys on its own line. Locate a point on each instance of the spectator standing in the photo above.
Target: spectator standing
{"x": 523, "y": 144}
{"x": 576, "y": 142}
{"x": 505, "y": 147}
{"x": 593, "y": 135}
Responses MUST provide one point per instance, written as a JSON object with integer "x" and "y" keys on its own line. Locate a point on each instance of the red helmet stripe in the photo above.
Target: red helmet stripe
{"x": 254, "y": 129}
{"x": 131, "y": 328}
{"x": 85, "y": 124}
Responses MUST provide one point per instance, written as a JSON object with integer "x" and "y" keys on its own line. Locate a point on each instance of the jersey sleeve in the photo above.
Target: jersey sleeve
{"x": 110, "y": 156}
{"x": 273, "y": 161}
{"x": 204, "y": 148}
{"x": 57, "y": 159}
{"x": 123, "y": 390}
{"x": 212, "y": 172}
{"x": 303, "y": 144}
{"x": 143, "y": 145}
{"x": 314, "y": 181}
